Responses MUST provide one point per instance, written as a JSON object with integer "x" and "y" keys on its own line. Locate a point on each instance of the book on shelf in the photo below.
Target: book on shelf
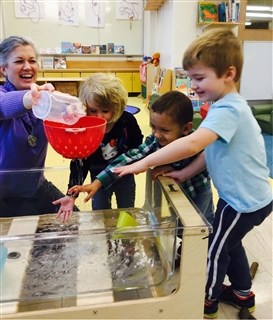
{"x": 232, "y": 10}
{"x": 77, "y": 47}
{"x": 207, "y": 11}
{"x": 95, "y": 49}
{"x": 67, "y": 47}
{"x": 59, "y": 62}
{"x": 235, "y": 11}
{"x": 222, "y": 12}
{"x": 103, "y": 49}
{"x": 86, "y": 49}
{"x": 110, "y": 48}
{"x": 47, "y": 62}
{"x": 119, "y": 49}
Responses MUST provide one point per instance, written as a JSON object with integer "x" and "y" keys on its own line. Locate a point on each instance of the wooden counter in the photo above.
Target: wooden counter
{"x": 68, "y": 80}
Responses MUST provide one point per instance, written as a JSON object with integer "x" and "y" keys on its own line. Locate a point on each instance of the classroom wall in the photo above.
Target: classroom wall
{"x": 48, "y": 33}
{"x": 172, "y": 28}
{"x": 169, "y": 30}
{"x": 175, "y": 28}
{"x": 257, "y": 75}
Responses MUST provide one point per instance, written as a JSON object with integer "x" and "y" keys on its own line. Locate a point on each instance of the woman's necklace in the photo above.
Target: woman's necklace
{"x": 32, "y": 140}
{"x": 28, "y": 123}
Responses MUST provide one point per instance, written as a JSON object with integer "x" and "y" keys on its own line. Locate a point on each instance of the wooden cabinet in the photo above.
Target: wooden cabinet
{"x": 136, "y": 82}
{"x": 48, "y": 74}
{"x": 126, "y": 79}
{"x": 81, "y": 66}
{"x": 72, "y": 75}
{"x": 131, "y": 81}
{"x": 85, "y": 75}
{"x": 126, "y": 67}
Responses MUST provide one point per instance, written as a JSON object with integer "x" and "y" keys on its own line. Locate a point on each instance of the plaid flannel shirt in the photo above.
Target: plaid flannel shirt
{"x": 191, "y": 186}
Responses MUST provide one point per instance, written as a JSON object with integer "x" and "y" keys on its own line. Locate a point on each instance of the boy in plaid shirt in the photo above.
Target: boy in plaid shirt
{"x": 171, "y": 118}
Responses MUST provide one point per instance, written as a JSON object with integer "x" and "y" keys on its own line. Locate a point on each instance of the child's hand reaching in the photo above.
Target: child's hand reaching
{"x": 91, "y": 189}
{"x": 177, "y": 175}
{"x": 135, "y": 168}
{"x": 66, "y": 208}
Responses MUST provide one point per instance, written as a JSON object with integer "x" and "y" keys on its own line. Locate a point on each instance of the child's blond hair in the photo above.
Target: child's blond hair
{"x": 218, "y": 49}
{"x": 106, "y": 90}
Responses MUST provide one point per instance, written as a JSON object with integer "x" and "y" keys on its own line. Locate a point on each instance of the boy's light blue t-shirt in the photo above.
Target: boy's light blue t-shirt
{"x": 237, "y": 160}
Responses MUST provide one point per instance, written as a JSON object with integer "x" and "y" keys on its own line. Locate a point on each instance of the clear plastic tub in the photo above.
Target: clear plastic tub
{"x": 89, "y": 254}
{"x": 50, "y": 267}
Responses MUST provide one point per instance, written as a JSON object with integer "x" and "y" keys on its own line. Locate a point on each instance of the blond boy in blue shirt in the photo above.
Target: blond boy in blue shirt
{"x": 236, "y": 160}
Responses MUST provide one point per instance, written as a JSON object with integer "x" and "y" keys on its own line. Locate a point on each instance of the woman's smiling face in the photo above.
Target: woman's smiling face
{"x": 22, "y": 67}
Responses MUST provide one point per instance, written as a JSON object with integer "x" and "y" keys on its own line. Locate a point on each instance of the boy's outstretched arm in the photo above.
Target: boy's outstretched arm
{"x": 177, "y": 150}
{"x": 90, "y": 188}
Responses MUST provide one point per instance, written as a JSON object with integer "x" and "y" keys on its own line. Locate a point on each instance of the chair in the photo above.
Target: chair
{"x": 263, "y": 113}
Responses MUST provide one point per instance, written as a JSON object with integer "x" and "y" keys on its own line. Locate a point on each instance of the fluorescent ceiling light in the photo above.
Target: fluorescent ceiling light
{"x": 259, "y": 8}
{"x": 259, "y": 15}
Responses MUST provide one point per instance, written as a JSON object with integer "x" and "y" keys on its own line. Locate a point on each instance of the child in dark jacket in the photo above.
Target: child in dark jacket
{"x": 104, "y": 96}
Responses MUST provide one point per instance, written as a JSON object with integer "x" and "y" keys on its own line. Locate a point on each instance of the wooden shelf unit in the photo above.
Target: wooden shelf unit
{"x": 81, "y": 66}
{"x": 210, "y": 25}
{"x": 220, "y": 24}
{"x": 157, "y": 80}
{"x": 153, "y": 5}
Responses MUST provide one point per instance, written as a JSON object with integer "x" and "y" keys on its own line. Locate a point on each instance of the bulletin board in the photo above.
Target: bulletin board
{"x": 257, "y": 77}
{"x": 121, "y": 23}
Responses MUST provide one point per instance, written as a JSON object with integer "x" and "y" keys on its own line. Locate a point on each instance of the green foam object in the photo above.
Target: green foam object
{"x": 125, "y": 220}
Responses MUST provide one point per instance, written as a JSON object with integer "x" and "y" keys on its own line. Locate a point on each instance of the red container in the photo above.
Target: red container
{"x": 76, "y": 141}
{"x": 204, "y": 109}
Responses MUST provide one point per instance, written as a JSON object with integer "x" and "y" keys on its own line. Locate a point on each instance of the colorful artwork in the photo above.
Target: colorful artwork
{"x": 208, "y": 11}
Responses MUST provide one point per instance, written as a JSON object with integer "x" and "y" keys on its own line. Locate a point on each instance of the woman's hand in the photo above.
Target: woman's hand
{"x": 66, "y": 208}
{"x": 32, "y": 96}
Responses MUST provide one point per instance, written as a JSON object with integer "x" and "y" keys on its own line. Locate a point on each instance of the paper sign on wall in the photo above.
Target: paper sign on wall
{"x": 129, "y": 10}
{"x": 33, "y": 10}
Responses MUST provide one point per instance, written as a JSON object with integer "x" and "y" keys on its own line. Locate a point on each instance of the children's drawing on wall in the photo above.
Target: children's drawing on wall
{"x": 29, "y": 9}
{"x": 95, "y": 13}
{"x": 129, "y": 10}
{"x": 69, "y": 13}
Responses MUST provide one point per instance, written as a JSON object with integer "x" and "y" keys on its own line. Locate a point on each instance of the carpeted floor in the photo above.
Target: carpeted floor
{"x": 268, "y": 139}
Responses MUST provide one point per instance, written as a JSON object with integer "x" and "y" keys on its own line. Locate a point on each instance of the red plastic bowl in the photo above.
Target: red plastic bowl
{"x": 76, "y": 141}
